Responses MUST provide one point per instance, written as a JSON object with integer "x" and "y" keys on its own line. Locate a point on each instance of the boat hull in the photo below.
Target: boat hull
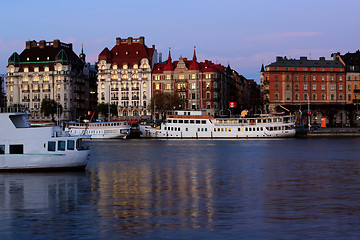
{"x": 56, "y": 161}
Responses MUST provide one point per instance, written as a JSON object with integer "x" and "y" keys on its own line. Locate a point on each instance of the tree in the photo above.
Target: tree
{"x": 49, "y": 107}
{"x": 103, "y": 109}
{"x": 162, "y": 102}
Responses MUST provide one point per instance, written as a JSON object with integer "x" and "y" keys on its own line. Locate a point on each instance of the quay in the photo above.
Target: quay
{"x": 328, "y": 132}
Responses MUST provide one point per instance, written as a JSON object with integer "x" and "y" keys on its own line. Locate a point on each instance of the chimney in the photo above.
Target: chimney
{"x": 142, "y": 40}
{"x": 56, "y": 43}
{"x": 42, "y": 44}
{"x": 118, "y": 41}
{"x": 322, "y": 58}
{"x": 160, "y": 57}
{"x": 28, "y": 44}
{"x": 279, "y": 58}
{"x": 129, "y": 40}
{"x": 303, "y": 58}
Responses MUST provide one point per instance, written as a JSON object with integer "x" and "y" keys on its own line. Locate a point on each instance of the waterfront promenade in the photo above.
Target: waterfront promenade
{"x": 328, "y": 132}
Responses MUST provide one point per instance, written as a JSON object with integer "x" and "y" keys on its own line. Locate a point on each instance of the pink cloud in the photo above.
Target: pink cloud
{"x": 284, "y": 35}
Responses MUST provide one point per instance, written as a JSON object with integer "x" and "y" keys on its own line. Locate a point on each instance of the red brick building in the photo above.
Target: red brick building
{"x": 200, "y": 84}
{"x": 297, "y": 83}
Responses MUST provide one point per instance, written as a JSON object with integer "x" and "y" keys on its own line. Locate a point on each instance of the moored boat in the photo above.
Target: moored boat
{"x": 102, "y": 130}
{"x": 23, "y": 147}
{"x": 200, "y": 125}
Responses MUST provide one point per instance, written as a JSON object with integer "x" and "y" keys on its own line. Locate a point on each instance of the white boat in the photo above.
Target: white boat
{"x": 119, "y": 129}
{"x": 200, "y": 125}
{"x": 23, "y": 147}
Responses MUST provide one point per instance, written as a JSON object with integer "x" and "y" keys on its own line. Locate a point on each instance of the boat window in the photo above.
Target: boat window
{"x": 246, "y": 129}
{"x": 61, "y": 145}
{"x": 250, "y": 129}
{"x": 222, "y": 129}
{"x": 245, "y": 121}
{"x": 51, "y": 146}
{"x": 275, "y": 120}
{"x": 229, "y": 129}
{"x": 2, "y": 149}
{"x": 192, "y": 121}
{"x": 181, "y": 121}
{"x": 186, "y": 121}
{"x": 269, "y": 120}
{"x": 174, "y": 121}
{"x": 214, "y": 129}
{"x": 80, "y": 145}
{"x": 238, "y": 129}
{"x": 225, "y": 129}
{"x": 17, "y": 149}
{"x": 203, "y": 121}
{"x": 257, "y": 129}
{"x": 169, "y": 120}
{"x": 70, "y": 144}
{"x": 164, "y": 128}
{"x": 197, "y": 121}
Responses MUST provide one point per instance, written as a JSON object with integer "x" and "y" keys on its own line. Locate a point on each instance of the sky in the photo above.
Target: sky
{"x": 241, "y": 33}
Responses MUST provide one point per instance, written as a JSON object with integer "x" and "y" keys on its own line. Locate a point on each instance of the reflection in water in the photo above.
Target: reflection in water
{"x": 272, "y": 189}
{"x": 156, "y": 192}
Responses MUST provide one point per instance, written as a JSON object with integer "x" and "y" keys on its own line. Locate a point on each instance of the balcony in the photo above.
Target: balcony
{"x": 36, "y": 91}
{"x": 181, "y": 90}
{"x": 135, "y": 88}
{"x": 25, "y": 91}
{"x": 124, "y": 98}
{"x": 25, "y": 100}
{"x": 36, "y": 100}
{"x": 114, "y": 98}
{"x": 114, "y": 89}
{"x": 135, "y": 98}
{"x": 124, "y": 89}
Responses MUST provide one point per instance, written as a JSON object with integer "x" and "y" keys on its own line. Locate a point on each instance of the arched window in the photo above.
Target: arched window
{"x": 115, "y": 67}
{"x": 135, "y": 66}
{"x": 114, "y": 76}
{"x": 103, "y": 86}
{"x": 144, "y": 85}
{"x": 125, "y": 66}
{"x": 124, "y": 76}
{"x": 103, "y": 67}
{"x": 135, "y": 76}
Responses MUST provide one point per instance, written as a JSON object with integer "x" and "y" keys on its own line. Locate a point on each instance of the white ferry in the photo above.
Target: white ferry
{"x": 200, "y": 125}
{"x": 23, "y": 147}
{"x": 99, "y": 129}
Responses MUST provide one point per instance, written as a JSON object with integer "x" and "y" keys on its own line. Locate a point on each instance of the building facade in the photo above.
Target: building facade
{"x": 48, "y": 70}
{"x": 295, "y": 84}
{"x": 124, "y": 76}
{"x": 201, "y": 85}
{"x": 2, "y": 92}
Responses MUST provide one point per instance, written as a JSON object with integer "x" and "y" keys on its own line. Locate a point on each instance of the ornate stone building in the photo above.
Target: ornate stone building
{"x": 49, "y": 70}
{"x": 202, "y": 85}
{"x": 124, "y": 76}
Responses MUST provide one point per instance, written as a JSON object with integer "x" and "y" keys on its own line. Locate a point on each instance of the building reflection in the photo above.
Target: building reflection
{"x": 39, "y": 190}
{"x": 152, "y": 194}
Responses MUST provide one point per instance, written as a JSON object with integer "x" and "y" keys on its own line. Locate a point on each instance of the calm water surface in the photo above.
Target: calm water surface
{"x": 241, "y": 189}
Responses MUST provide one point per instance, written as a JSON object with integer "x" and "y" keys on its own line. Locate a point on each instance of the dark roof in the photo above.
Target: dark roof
{"x": 352, "y": 59}
{"x": 47, "y": 54}
{"x": 304, "y": 62}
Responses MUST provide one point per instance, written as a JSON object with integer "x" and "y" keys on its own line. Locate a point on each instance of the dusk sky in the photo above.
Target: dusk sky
{"x": 243, "y": 34}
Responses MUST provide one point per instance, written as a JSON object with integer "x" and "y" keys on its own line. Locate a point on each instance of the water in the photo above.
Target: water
{"x": 170, "y": 189}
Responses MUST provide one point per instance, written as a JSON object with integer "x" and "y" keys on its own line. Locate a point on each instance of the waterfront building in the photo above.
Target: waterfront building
{"x": 201, "y": 85}
{"x": 49, "y": 70}
{"x": 2, "y": 92}
{"x": 124, "y": 76}
{"x": 352, "y": 65}
{"x": 245, "y": 92}
{"x": 293, "y": 84}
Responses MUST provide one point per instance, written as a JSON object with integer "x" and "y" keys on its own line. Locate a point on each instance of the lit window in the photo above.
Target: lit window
{"x": 36, "y": 69}
{"x": 115, "y": 67}
{"x": 26, "y": 69}
{"x": 168, "y": 86}
{"x": 193, "y": 76}
{"x": 125, "y": 66}
{"x": 181, "y": 77}
{"x": 157, "y": 86}
{"x": 124, "y": 76}
{"x": 135, "y": 66}
{"x": 46, "y": 69}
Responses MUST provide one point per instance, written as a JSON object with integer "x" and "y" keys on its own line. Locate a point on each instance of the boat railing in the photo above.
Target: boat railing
{"x": 14, "y": 110}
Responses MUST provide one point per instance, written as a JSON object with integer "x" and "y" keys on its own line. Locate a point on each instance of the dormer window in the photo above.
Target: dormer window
{"x": 127, "y": 53}
{"x": 38, "y": 58}
{"x": 27, "y": 59}
{"x": 137, "y": 52}
{"x": 115, "y": 67}
{"x": 135, "y": 66}
{"x": 36, "y": 69}
{"x": 46, "y": 69}
{"x": 125, "y": 66}
{"x": 26, "y": 69}
{"x": 47, "y": 58}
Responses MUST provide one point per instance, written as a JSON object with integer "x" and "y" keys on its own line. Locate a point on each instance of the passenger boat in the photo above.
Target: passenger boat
{"x": 114, "y": 129}
{"x": 200, "y": 125}
{"x": 23, "y": 147}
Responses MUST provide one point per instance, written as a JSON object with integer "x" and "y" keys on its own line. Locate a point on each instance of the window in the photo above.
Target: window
{"x": 332, "y": 97}
{"x": 322, "y": 78}
{"x": 276, "y": 96}
{"x": 305, "y": 78}
{"x": 208, "y": 95}
{"x": 276, "y": 78}
{"x": 16, "y": 149}
{"x": 314, "y": 78}
{"x": 323, "y": 96}
{"x": 296, "y": 96}
{"x": 168, "y": 86}
{"x": 305, "y": 87}
{"x": 157, "y": 87}
{"x": 332, "y": 87}
{"x": 168, "y": 77}
{"x": 297, "y": 87}
{"x": 2, "y": 149}
{"x": 349, "y": 87}
{"x": 305, "y": 96}
{"x": 314, "y": 86}
{"x": 349, "y": 96}
{"x": 340, "y": 87}
{"x": 322, "y": 86}
{"x": 314, "y": 96}
{"x": 71, "y": 144}
{"x": 61, "y": 145}
{"x": 287, "y": 86}
{"x": 276, "y": 86}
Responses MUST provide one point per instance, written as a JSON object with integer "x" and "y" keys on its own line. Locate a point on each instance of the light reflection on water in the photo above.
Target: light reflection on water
{"x": 272, "y": 189}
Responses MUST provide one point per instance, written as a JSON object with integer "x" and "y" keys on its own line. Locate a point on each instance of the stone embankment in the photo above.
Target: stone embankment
{"x": 329, "y": 132}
